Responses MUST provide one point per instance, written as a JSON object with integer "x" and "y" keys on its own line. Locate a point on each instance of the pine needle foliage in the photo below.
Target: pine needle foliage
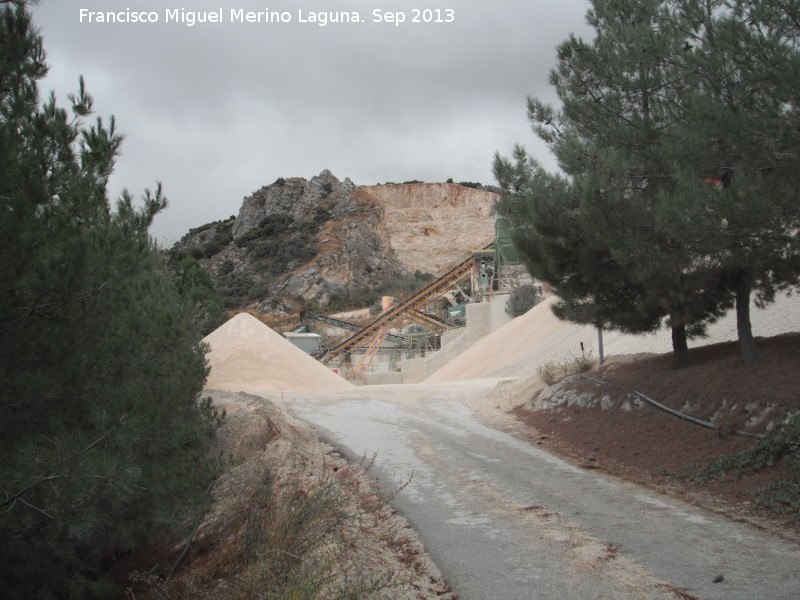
{"x": 676, "y": 138}
{"x": 102, "y": 435}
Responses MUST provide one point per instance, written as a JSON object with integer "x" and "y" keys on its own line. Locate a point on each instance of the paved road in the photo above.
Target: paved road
{"x": 505, "y": 520}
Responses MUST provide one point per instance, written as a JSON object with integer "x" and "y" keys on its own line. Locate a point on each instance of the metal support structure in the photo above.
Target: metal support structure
{"x": 436, "y": 288}
{"x": 360, "y": 369}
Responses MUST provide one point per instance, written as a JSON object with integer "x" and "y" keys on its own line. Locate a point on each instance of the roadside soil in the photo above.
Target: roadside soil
{"x": 602, "y": 428}
{"x": 273, "y": 460}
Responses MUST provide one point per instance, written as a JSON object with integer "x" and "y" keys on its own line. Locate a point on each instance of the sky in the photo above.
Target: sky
{"x": 216, "y": 110}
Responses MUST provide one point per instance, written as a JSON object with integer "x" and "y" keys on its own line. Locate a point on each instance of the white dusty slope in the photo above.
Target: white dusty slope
{"x": 517, "y": 348}
{"x": 248, "y": 356}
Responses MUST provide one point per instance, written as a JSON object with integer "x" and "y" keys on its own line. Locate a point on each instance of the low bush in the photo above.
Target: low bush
{"x": 521, "y": 300}
{"x": 284, "y": 526}
{"x": 554, "y": 371}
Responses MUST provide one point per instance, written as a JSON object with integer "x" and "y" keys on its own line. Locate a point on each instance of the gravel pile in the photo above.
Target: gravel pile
{"x": 248, "y": 356}
{"x": 520, "y": 346}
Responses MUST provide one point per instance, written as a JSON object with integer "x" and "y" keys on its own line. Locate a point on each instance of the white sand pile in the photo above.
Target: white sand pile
{"x": 248, "y": 356}
{"x": 517, "y": 348}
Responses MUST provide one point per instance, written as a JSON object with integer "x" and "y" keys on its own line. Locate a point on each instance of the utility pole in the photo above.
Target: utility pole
{"x": 600, "y": 343}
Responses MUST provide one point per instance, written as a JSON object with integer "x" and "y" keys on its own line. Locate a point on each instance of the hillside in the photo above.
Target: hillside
{"x": 324, "y": 239}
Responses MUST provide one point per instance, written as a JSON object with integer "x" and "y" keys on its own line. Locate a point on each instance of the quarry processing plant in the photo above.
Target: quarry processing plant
{"x": 415, "y": 325}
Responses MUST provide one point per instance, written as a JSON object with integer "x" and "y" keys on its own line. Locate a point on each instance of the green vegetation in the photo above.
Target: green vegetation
{"x": 280, "y": 242}
{"x": 679, "y": 153}
{"x": 103, "y": 438}
{"x": 238, "y": 289}
{"x": 195, "y": 285}
{"x": 222, "y": 236}
{"x": 781, "y": 445}
{"x": 207, "y": 226}
{"x": 678, "y": 147}
{"x": 521, "y": 300}
{"x": 354, "y": 299}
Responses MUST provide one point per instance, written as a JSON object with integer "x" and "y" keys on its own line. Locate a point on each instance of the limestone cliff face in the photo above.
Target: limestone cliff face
{"x": 320, "y": 238}
{"x": 295, "y": 197}
{"x": 311, "y": 239}
{"x": 433, "y": 225}
{"x": 354, "y": 254}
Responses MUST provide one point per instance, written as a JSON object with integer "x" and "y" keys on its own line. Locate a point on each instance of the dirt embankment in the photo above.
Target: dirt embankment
{"x": 289, "y": 517}
{"x": 608, "y": 428}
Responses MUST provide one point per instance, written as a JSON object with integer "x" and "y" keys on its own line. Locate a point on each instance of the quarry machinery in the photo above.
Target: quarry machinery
{"x": 413, "y": 308}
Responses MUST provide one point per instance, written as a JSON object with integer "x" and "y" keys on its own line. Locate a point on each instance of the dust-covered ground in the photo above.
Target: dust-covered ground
{"x": 502, "y": 517}
{"x": 597, "y": 426}
{"x": 595, "y": 422}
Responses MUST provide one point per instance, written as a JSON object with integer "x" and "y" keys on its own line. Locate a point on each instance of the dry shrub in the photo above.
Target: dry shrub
{"x": 291, "y": 519}
{"x": 555, "y": 370}
{"x": 550, "y": 372}
{"x": 276, "y": 533}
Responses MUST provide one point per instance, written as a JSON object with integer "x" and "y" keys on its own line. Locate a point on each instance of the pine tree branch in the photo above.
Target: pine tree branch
{"x": 37, "y": 509}
{"x": 49, "y": 478}
{"x": 18, "y": 496}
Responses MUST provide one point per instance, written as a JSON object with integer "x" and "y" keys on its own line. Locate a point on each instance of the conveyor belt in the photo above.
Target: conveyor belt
{"x": 415, "y": 303}
{"x": 397, "y": 339}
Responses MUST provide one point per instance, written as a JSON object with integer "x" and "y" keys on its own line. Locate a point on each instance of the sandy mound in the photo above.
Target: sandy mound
{"x": 516, "y": 338}
{"x": 517, "y": 348}
{"x": 248, "y": 356}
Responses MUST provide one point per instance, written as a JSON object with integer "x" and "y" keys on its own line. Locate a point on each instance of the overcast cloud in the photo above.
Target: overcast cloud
{"x": 217, "y": 110}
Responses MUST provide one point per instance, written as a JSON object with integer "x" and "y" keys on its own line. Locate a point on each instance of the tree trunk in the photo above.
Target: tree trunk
{"x": 680, "y": 348}
{"x": 747, "y": 345}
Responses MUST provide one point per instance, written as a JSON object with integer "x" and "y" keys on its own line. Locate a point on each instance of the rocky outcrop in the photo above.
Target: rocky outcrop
{"x": 295, "y": 197}
{"x": 311, "y": 239}
{"x": 354, "y": 254}
{"x": 321, "y": 238}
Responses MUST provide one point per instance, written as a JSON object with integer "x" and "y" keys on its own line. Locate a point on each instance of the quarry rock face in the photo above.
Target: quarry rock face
{"x": 433, "y": 225}
{"x": 321, "y": 238}
{"x": 354, "y": 254}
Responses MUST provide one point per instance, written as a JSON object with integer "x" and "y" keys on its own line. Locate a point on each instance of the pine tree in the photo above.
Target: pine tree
{"x": 622, "y": 268}
{"x": 102, "y": 434}
{"x": 194, "y": 283}
{"x": 738, "y": 151}
{"x": 678, "y": 140}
